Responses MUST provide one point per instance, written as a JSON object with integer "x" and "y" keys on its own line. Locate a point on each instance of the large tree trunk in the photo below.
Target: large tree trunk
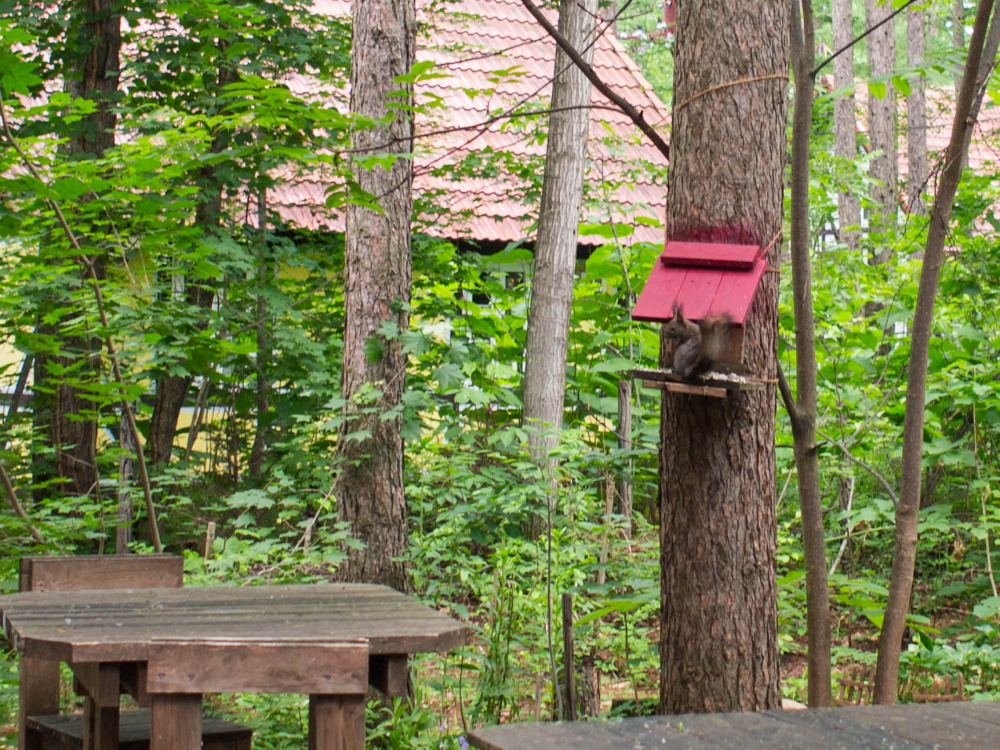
{"x": 845, "y": 121}
{"x": 555, "y": 250}
{"x": 369, "y": 487}
{"x": 718, "y": 639}
{"x": 63, "y": 412}
{"x": 916, "y": 115}
{"x": 882, "y": 128}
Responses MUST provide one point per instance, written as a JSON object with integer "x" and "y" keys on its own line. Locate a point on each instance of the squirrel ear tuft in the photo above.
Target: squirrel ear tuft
{"x": 677, "y": 311}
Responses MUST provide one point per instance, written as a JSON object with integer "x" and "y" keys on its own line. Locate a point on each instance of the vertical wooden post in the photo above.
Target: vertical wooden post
{"x": 568, "y": 666}
{"x": 625, "y": 444}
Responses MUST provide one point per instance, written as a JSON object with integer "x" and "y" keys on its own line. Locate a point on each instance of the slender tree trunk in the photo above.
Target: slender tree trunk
{"x": 916, "y": 115}
{"x": 555, "y": 250}
{"x": 977, "y": 66}
{"x": 262, "y": 363}
{"x": 718, "y": 638}
{"x": 172, "y": 390}
{"x": 803, "y": 412}
{"x": 63, "y": 411}
{"x": 845, "y": 122}
{"x": 369, "y": 487}
{"x": 882, "y": 128}
{"x": 958, "y": 34}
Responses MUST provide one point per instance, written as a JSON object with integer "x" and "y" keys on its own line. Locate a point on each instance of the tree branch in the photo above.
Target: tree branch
{"x": 857, "y": 39}
{"x": 631, "y": 112}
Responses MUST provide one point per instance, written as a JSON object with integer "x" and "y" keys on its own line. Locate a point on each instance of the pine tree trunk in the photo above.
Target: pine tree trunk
{"x": 62, "y": 411}
{"x": 845, "y": 121}
{"x": 916, "y": 115}
{"x": 555, "y": 249}
{"x": 369, "y": 487}
{"x": 718, "y": 639}
{"x": 882, "y": 128}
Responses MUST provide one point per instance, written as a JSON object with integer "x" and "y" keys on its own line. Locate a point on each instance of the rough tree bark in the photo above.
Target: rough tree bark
{"x": 845, "y": 138}
{"x": 882, "y": 127}
{"x": 62, "y": 411}
{"x": 558, "y": 222}
{"x": 978, "y": 65}
{"x": 718, "y": 641}
{"x": 802, "y": 412}
{"x": 916, "y": 115}
{"x": 369, "y": 487}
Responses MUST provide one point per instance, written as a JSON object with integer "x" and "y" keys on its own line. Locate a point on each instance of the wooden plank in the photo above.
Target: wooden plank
{"x": 336, "y": 722}
{"x": 698, "y": 291}
{"x": 180, "y": 666}
{"x": 712, "y": 254}
{"x": 694, "y": 390}
{"x": 656, "y": 299}
{"x": 845, "y": 727}
{"x": 176, "y": 722}
{"x": 134, "y": 731}
{"x": 910, "y": 727}
{"x": 915, "y": 724}
{"x": 84, "y": 572}
{"x": 100, "y": 682}
{"x": 38, "y": 693}
{"x": 119, "y": 625}
{"x": 100, "y": 726}
{"x": 735, "y": 292}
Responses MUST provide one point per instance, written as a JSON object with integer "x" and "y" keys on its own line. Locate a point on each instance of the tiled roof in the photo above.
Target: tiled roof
{"x": 494, "y": 57}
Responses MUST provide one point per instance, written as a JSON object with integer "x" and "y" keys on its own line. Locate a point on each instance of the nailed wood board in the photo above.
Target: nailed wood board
{"x": 134, "y": 730}
{"x": 119, "y": 625}
{"x": 712, "y": 254}
{"x": 912, "y": 727}
{"x": 661, "y": 378}
{"x": 701, "y": 292}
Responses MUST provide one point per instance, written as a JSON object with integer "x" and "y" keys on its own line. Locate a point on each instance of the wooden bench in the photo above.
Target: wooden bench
{"x": 40, "y": 726}
{"x": 335, "y": 675}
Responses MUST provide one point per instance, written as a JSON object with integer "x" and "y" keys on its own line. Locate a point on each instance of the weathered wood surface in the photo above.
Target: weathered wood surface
{"x": 67, "y": 732}
{"x": 223, "y": 666}
{"x": 962, "y": 726}
{"x": 87, "y": 572}
{"x": 118, "y": 626}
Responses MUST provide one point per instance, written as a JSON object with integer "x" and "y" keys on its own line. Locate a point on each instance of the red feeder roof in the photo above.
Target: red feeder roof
{"x": 705, "y": 279}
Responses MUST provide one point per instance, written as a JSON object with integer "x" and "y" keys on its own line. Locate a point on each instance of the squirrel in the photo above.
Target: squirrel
{"x": 699, "y": 344}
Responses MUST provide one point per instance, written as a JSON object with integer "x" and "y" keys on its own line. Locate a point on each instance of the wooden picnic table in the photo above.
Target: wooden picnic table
{"x": 959, "y": 725}
{"x": 107, "y": 637}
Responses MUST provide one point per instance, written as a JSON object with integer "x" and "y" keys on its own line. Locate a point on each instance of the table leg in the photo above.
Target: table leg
{"x": 38, "y": 694}
{"x": 390, "y": 674}
{"x": 336, "y": 722}
{"x": 100, "y": 726}
{"x": 100, "y": 685}
{"x": 176, "y": 722}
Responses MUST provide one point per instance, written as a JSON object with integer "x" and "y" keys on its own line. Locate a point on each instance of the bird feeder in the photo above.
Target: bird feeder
{"x": 706, "y": 280}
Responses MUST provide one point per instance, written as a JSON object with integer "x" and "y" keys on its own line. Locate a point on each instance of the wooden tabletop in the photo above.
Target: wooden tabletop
{"x": 118, "y": 625}
{"x": 959, "y": 725}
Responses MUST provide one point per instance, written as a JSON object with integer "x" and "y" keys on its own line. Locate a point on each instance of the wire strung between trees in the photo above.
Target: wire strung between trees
{"x": 737, "y": 82}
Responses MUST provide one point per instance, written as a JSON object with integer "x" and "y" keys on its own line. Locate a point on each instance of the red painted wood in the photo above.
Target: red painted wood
{"x": 736, "y": 292}
{"x": 701, "y": 292}
{"x": 658, "y": 294}
{"x": 710, "y": 254}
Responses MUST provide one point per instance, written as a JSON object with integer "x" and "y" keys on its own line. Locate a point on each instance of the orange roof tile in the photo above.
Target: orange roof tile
{"x": 495, "y": 57}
